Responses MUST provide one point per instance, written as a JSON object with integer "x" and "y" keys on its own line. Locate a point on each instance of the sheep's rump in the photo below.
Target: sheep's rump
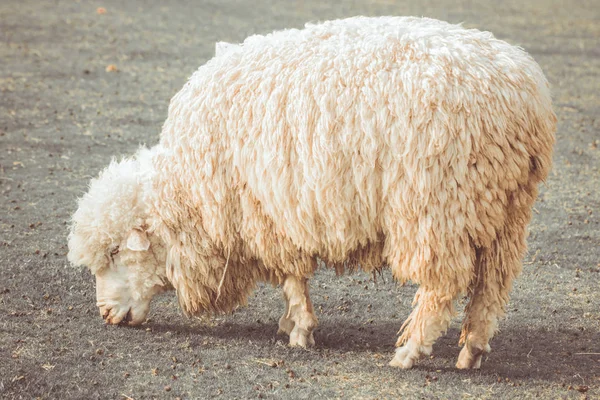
{"x": 404, "y": 141}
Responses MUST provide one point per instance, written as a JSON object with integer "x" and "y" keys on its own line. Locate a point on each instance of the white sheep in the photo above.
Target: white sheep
{"x": 367, "y": 142}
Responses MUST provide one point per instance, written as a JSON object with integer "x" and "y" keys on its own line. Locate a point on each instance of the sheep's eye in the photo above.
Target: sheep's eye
{"x": 114, "y": 251}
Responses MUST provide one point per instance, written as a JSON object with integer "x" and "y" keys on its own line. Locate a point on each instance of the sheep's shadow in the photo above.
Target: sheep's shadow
{"x": 517, "y": 353}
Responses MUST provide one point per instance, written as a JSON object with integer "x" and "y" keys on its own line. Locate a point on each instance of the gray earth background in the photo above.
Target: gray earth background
{"x": 64, "y": 113}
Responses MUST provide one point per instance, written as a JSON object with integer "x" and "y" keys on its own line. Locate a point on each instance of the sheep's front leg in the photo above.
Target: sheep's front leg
{"x": 299, "y": 319}
{"x": 429, "y": 319}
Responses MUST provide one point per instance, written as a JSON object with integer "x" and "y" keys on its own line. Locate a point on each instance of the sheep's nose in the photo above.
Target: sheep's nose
{"x": 104, "y": 312}
{"x": 117, "y": 315}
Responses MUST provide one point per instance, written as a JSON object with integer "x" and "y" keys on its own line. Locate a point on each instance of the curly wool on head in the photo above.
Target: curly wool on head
{"x": 112, "y": 206}
{"x": 408, "y": 142}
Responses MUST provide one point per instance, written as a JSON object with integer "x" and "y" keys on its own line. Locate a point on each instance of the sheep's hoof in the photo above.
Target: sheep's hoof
{"x": 470, "y": 356}
{"x": 286, "y": 326}
{"x": 407, "y": 355}
{"x": 301, "y": 338}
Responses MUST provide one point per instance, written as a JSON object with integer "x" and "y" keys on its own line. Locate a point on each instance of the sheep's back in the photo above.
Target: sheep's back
{"x": 330, "y": 130}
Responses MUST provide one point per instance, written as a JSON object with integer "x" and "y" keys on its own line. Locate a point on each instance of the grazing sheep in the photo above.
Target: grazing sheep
{"x": 367, "y": 142}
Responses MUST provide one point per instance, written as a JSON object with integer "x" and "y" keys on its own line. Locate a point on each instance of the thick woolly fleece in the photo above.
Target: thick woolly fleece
{"x": 405, "y": 142}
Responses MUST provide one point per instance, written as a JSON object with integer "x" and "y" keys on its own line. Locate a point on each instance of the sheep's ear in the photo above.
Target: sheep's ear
{"x": 223, "y": 47}
{"x": 137, "y": 240}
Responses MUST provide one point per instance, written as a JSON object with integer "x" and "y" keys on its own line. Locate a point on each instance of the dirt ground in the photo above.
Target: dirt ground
{"x": 64, "y": 112}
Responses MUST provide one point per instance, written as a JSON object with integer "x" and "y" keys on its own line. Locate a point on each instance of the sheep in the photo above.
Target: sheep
{"x": 392, "y": 142}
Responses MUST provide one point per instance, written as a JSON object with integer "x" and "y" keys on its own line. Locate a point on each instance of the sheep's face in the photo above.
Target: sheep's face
{"x": 129, "y": 272}
{"x": 135, "y": 273}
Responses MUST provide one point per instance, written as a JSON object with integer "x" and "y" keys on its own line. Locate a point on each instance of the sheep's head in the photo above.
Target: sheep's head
{"x": 134, "y": 275}
{"x": 110, "y": 235}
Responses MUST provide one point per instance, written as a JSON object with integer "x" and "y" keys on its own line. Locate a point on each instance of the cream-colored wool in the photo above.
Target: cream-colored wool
{"x": 367, "y": 142}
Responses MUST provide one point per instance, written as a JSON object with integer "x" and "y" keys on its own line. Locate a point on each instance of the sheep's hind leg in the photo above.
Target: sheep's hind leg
{"x": 299, "y": 319}
{"x": 479, "y": 325}
{"x": 428, "y": 320}
{"x": 497, "y": 266}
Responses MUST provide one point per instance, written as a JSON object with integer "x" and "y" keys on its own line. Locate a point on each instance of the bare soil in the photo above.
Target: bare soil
{"x": 78, "y": 86}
